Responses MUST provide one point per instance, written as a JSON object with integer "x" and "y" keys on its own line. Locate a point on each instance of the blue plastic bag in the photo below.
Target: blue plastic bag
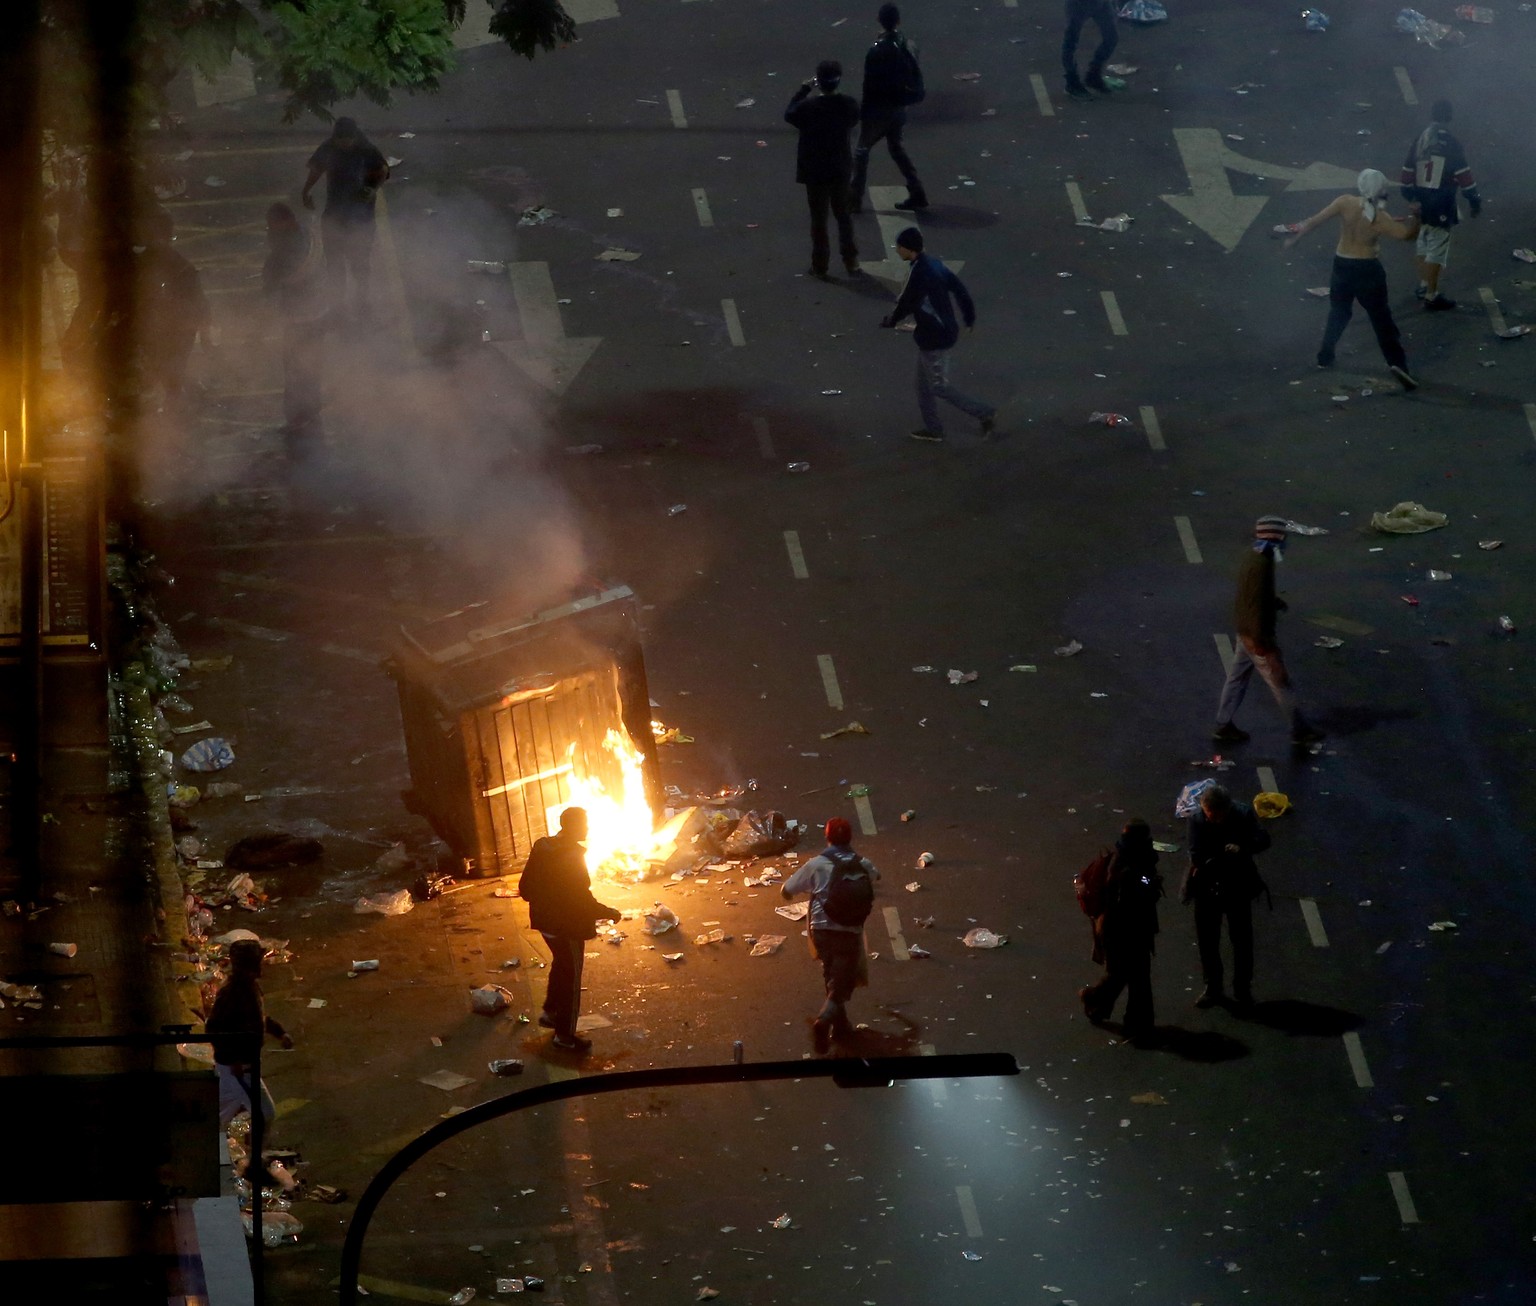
{"x": 208, "y": 755}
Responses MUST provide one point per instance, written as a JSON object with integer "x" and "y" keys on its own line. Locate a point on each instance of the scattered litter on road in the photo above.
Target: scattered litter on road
{"x": 913, "y": 887}
{"x": 1163, "y": 847}
{"x": 192, "y": 729}
{"x": 462, "y": 1298}
{"x": 1428, "y": 31}
{"x": 780, "y": 1222}
{"x": 1143, "y": 11}
{"x": 1474, "y": 14}
{"x": 1490, "y": 544}
{"x": 1069, "y": 650}
{"x": 1121, "y": 69}
{"x": 1408, "y": 519}
{"x": 797, "y": 467}
{"x": 209, "y": 755}
{"x": 1524, "y": 255}
{"x": 971, "y": 1256}
{"x": 983, "y": 938}
{"x": 917, "y": 952}
{"x": 1315, "y": 20}
{"x": 488, "y": 999}
{"x": 672, "y": 956}
{"x": 909, "y": 815}
{"x": 1109, "y": 419}
{"x": 1296, "y": 528}
{"x": 1412, "y": 600}
{"x": 63, "y": 949}
{"x": 924, "y": 860}
{"x": 677, "y": 509}
{"x": 956, "y": 677}
{"x": 359, "y": 966}
{"x": 858, "y": 791}
{"x": 1318, "y": 292}
{"x": 852, "y": 728}
{"x": 923, "y": 670}
{"x": 1149, "y": 1099}
{"x": 766, "y": 945}
{"x": 386, "y": 904}
{"x": 1513, "y": 333}
{"x": 617, "y": 256}
{"x": 1023, "y": 666}
{"x": 447, "y": 1080}
{"x": 967, "y": 77}
{"x": 1188, "y": 801}
{"x": 1506, "y": 625}
{"x": 317, "y": 1004}
{"x": 535, "y": 216}
{"x": 1329, "y": 641}
{"x": 1120, "y": 222}
{"x": 1435, "y": 574}
{"x": 489, "y": 267}
{"x": 831, "y": 392}
{"x": 505, "y": 1067}
{"x": 793, "y": 911}
{"x": 745, "y": 104}
{"x": 1440, "y": 927}
{"x": 1217, "y": 763}
{"x": 660, "y": 920}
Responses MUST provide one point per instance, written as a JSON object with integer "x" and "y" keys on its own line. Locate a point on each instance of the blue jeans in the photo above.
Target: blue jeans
{"x": 933, "y": 384}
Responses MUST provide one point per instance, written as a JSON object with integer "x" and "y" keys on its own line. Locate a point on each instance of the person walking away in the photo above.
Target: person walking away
{"x": 1357, "y": 270}
{"x": 1125, "y": 932}
{"x": 893, "y": 81}
{"x": 927, "y": 299}
{"x": 1222, "y": 882}
{"x": 1256, "y": 647}
{"x": 842, "y": 889}
{"x": 823, "y": 159}
{"x": 1434, "y": 174}
{"x": 238, "y": 1009}
{"x": 558, "y": 890}
{"x": 1102, "y": 14}
{"x": 353, "y": 170}
{"x": 289, "y": 280}
{"x": 173, "y": 309}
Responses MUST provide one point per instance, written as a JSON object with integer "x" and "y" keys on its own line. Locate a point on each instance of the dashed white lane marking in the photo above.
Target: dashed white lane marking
{"x": 1153, "y": 428}
{"x": 1187, "y": 539}
{"x": 1075, "y": 199}
{"x": 675, "y": 104}
{"x": 701, "y": 207}
{"x": 1356, "y": 1055}
{"x": 829, "y": 681}
{"x": 1225, "y": 652}
{"x": 1403, "y": 1197}
{"x": 1314, "y": 920}
{"x": 1491, "y": 303}
{"x": 764, "y": 438}
{"x": 893, "y": 928}
{"x": 1267, "y": 779}
{"x": 796, "y": 555}
{"x": 1042, "y": 96}
{"x": 1405, "y": 85}
{"x": 968, "y": 1214}
{"x": 732, "y": 322}
{"x": 1112, "y": 312}
{"x": 866, "y": 815}
{"x": 1530, "y": 419}
{"x": 935, "y": 1086}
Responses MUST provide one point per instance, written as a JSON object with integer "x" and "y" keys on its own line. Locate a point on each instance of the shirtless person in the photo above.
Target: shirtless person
{"x": 1357, "y": 271}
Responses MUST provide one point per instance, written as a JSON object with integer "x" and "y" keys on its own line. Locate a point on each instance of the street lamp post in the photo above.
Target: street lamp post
{"x": 845, "y": 1072}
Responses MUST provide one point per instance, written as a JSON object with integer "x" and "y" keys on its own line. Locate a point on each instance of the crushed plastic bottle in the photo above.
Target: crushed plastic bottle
{"x": 798, "y": 467}
{"x": 660, "y": 920}
{"x": 277, "y": 1227}
{"x": 984, "y": 938}
{"x": 1109, "y": 419}
{"x": 1315, "y": 19}
{"x": 1506, "y": 625}
{"x": 1474, "y": 14}
{"x": 1424, "y": 29}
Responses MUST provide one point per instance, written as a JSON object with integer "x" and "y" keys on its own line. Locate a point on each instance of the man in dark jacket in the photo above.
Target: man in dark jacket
{"x": 1125, "y": 932}
{"x": 823, "y": 159}
{"x": 1256, "y": 648}
{"x": 238, "y": 1009}
{"x": 353, "y": 169}
{"x": 1434, "y": 173}
{"x": 1222, "y": 882}
{"x": 561, "y": 907}
{"x": 926, "y": 298}
{"x": 892, "y": 81}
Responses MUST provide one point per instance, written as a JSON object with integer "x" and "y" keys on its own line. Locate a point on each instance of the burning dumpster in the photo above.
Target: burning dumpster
{"x": 511, "y": 718}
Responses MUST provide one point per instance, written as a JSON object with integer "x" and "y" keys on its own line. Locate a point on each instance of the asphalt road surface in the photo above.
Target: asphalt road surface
{"x": 1365, "y": 1136}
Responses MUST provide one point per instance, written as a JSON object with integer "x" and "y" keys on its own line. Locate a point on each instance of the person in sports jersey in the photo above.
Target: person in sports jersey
{"x": 1434, "y": 174}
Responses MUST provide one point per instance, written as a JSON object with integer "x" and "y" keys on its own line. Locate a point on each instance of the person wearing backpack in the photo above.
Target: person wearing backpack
{"x": 1125, "y": 930}
{"x": 893, "y": 81}
{"x": 842, "y": 889}
{"x": 1222, "y": 882}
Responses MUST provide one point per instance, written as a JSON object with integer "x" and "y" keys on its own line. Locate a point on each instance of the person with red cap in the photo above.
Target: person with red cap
{"x": 842, "y": 889}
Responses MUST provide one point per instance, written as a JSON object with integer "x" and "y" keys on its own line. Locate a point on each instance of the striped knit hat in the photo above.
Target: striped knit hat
{"x": 1271, "y": 528}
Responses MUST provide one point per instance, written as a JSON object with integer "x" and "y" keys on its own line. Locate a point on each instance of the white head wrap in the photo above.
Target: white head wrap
{"x": 1373, "y": 188}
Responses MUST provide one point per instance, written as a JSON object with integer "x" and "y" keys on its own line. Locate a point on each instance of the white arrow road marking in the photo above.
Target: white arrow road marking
{"x": 545, "y": 353}
{"x": 1213, "y": 206}
{"x": 893, "y": 221}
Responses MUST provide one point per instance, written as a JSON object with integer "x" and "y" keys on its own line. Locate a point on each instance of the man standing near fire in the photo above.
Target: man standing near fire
{"x": 561, "y": 907}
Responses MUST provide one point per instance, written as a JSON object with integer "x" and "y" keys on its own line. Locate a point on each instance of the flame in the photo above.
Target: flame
{"x": 622, "y": 836}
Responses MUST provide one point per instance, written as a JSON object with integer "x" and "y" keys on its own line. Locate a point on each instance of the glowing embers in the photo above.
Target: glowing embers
{"x": 622, "y": 838}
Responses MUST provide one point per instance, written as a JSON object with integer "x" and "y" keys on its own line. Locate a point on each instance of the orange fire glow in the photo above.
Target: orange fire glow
{"x": 622, "y": 836}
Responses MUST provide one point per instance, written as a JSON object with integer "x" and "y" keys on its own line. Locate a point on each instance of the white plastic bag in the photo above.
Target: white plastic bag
{"x": 388, "y": 904}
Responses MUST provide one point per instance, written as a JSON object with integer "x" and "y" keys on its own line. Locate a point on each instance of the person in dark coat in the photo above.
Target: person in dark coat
{"x": 823, "y": 160}
{"x": 173, "y": 311}
{"x": 354, "y": 169}
{"x": 1125, "y": 932}
{"x": 1222, "y": 882}
{"x": 892, "y": 81}
{"x": 239, "y": 1009}
{"x": 1256, "y": 647}
{"x": 561, "y": 907}
{"x": 926, "y": 298}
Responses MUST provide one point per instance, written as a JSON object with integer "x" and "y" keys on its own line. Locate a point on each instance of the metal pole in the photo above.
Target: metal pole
{"x": 849, "y": 1072}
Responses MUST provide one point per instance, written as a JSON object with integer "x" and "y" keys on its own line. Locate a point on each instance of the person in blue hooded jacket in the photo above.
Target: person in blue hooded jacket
{"x": 929, "y": 298}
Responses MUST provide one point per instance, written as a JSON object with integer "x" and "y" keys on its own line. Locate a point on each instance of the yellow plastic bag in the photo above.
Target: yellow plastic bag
{"x": 1267, "y": 806}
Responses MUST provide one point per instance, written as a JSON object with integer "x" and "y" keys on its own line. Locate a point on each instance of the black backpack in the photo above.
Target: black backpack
{"x": 850, "y": 894}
